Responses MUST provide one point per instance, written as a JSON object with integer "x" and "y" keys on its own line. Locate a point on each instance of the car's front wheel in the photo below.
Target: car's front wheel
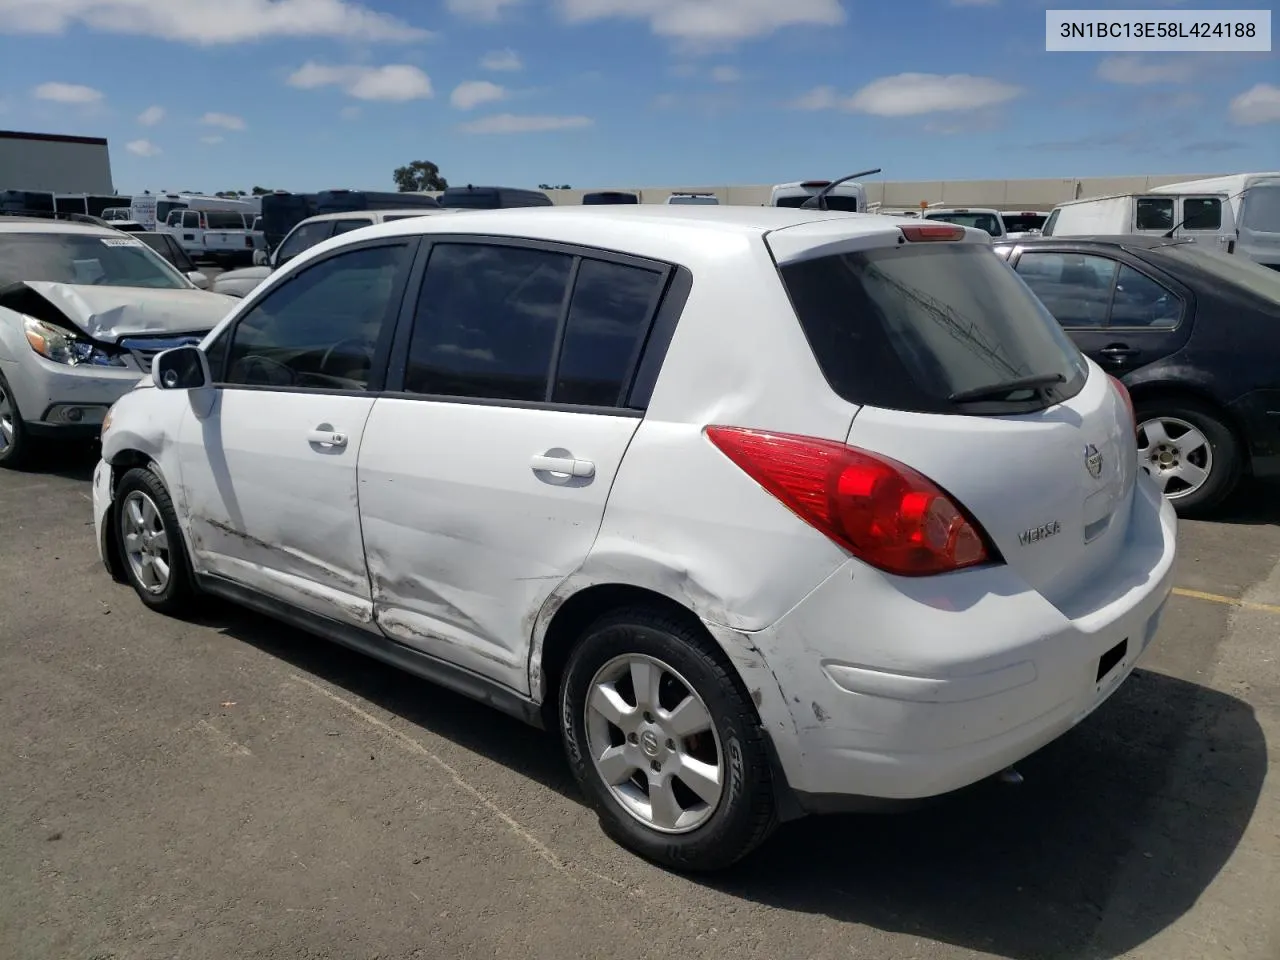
{"x": 15, "y": 444}
{"x": 664, "y": 743}
{"x": 155, "y": 559}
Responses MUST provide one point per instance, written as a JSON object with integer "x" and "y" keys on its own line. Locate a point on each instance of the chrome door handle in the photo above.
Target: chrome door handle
{"x": 566, "y": 466}
{"x": 327, "y": 438}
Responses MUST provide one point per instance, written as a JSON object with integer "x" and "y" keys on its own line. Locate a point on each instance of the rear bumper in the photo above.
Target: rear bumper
{"x": 1258, "y": 413}
{"x": 904, "y": 689}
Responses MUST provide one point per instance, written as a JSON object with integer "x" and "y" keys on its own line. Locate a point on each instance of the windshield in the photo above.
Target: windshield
{"x": 979, "y": 221}
{"x": 117, "y": 213}
{"x": 835, "y": 201}
{"x": 472, "y": 200}
{"x": 1259, "y": 280}
{"x": 908, "y": 326}
{"x": 691, "y": 199}
{"x": 117, "y": 261}
{"x": 1022, "y": 222}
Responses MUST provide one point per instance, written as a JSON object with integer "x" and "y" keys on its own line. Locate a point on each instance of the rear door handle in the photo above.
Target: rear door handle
{"x": 566, "y": 466}
{"x": 327, "y": 438}
{"x": 1118, "y": 352}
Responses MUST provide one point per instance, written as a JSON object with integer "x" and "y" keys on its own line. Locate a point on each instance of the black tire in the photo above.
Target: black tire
{"x": 177, "y": 596}
{"x": 745, "y": 813}
{"x": 1227, "y": 463}
{"x": 16, "y": 450}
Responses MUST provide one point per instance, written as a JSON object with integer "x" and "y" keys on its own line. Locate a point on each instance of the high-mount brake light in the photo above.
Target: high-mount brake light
{"x": 1121, "y": 389}
{"x": 882, "y": 511}
{"x": 932, "y": 232}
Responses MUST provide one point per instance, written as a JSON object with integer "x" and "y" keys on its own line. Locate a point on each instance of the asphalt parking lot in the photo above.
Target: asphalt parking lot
{"x": 232, "y": 788}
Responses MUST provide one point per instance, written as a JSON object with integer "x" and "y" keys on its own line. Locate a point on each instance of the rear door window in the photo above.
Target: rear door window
{"x": 487, "y": 320}
{"x": 304, "y": 237}
{"x": 1154, "y": 213}
{"x": 218, "y": 220}
{"x": 1202, "y": 213}
{"x": 911, "y": 327}
{"x": 1076, "y": 288}
{"x": 608, "y": 318}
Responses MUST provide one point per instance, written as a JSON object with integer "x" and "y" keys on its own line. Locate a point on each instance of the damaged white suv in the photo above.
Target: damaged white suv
{"x": 83, "y": 309}
{"x": 766, "y": 511}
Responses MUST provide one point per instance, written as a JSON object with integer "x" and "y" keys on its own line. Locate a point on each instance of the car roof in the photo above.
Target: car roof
{"x": 41, "y": 225}
{"x": 690, "y": 235}
{"x": 366, "y": 214}
{"x": 1139, "y": 241}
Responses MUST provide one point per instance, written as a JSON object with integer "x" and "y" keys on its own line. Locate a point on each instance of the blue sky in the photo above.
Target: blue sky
{"x": 308, "y": 94}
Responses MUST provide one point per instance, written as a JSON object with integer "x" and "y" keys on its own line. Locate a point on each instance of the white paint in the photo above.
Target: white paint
{"x": 437, "y": 522}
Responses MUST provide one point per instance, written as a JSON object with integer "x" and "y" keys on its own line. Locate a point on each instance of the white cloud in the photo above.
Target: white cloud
{"x": 213, "y": 138}
{"x": 151, "y": 116}
{"x": 488, "y": 11}
{"x": 395, "y": 81}
{"x": 142, "y": 148}
{"x": 502, "y": 60}
{"x": 227, "y": 121}
{"x": 210, "y": 22}
{"x": 726, "y": 74}
{"x": 1259, "y": 104}
{"x": 911, "y": 94}
{"x": 513, "y": 123}
{"x": 1132, "y": 69}
{"x": 67, "y": 93}
{"x": 709, "y": 21}
{"x": 472, "y": 93}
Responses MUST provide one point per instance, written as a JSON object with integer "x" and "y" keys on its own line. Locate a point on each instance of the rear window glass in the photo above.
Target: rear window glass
{"x": 218, "y": 220}
{"x": 1020, "y": 223}
{"x": 988, "y": 222}
{"x": 692, "y": 198}
{"x": 907, "y": 327}
{"x": 1228, "y": 268}
{"x": 834, "y": 202}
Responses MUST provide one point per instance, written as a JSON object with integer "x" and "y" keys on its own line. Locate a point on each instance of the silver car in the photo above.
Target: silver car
{"x": 83, "y": 309}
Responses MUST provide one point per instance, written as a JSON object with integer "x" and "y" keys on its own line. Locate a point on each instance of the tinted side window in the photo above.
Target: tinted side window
{"x": 307, "y": 235}
{"x": 319, "y": 328}
{"x": 1155, "y": 213}
{"x": 486, "y": 322}
{"x": 1203, "y": 213}
{"x": 608, "y": 318}
{"x": 346, "y": 226}
{"x": 1141, "y": 302}
{"x": 1075, "y": 288}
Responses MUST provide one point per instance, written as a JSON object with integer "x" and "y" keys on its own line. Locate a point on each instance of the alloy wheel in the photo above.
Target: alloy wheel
{"x": 146, "y": 544}
{"x": 1176, "y": 454}
{"x": 653, "y": 743}
{"x": 6, "y": 420}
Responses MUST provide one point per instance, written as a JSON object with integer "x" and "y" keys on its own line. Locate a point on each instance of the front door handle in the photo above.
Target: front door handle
{"x": 565, "y": 466}
{"x": 327, "y": 438}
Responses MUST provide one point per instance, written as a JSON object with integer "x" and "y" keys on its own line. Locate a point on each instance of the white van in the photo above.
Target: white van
{"x": 1254, "y": 199}
{"x": 849, "y": 197}
{"x": 1202, "y": 216}
{"x": 986, "y": 219}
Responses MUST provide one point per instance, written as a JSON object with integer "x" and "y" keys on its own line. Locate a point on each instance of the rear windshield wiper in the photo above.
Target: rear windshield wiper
{"x": 998, "y": 391}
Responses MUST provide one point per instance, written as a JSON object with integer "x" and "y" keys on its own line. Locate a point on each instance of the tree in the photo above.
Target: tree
{"x": 261, "y": 191}
{"x": 417, "y": 176}
{"x": 552, "y": 186}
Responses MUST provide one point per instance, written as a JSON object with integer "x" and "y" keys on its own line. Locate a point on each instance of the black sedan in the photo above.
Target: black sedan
{"x": 1195, "y": 336}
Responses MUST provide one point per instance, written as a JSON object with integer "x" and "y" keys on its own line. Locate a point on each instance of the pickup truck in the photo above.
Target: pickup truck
{"x": 221, "y": 236}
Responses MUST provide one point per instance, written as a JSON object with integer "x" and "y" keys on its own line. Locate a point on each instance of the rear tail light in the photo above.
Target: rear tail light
{"x": 1123, "y": 391}
{"x": 881, "y": 511}
{"x": 933, "y": 231}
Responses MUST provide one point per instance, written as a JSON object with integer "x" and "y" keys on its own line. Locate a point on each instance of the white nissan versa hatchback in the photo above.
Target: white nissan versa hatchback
{"x": 767, "y": 511}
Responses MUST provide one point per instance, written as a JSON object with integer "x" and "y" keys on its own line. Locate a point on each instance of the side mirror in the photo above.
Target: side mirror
{"x": 181, "y": 368}
{"x": 198, "y": 278}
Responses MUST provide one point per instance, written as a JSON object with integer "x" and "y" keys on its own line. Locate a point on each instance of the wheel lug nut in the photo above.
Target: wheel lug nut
{"x": 632, "y": 738}
{"x": 648, "y": 717}
{"x": 671, "y": 744}
{"x": 655, "y": 766}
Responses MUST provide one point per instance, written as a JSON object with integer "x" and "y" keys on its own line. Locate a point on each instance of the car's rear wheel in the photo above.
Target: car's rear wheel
{"x": 664, "y": 743}
{"x": 15, "y": 442}
{"x": 1191, "y": 454}
{"x": 155, "y": 558}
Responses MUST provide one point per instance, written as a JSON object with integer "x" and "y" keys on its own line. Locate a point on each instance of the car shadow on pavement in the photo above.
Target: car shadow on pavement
{"x": 1116, "y": 831}
{"x": 1256, "y": 502}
